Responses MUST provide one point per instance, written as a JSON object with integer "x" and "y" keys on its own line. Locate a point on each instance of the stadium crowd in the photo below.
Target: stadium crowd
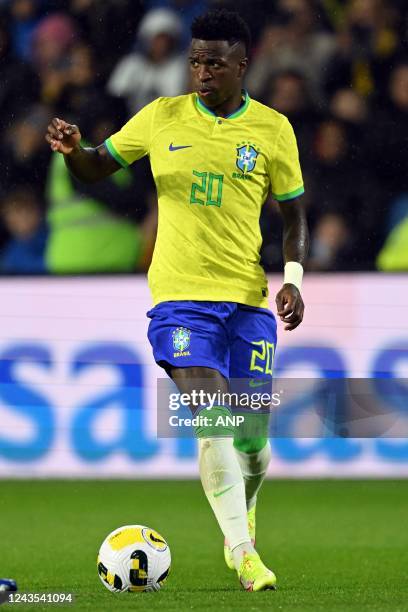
{"x": 338, "y": 70}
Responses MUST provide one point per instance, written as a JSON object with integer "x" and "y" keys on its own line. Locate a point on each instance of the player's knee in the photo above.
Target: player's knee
{"x": 215, "y": 422}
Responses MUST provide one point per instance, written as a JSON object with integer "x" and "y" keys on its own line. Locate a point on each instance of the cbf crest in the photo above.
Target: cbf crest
{"x": 247, "y": 154}
{"x": 181, "y": 341}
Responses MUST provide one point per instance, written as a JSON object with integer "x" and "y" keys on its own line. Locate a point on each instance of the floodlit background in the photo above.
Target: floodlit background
{"x": 77, "y": 379}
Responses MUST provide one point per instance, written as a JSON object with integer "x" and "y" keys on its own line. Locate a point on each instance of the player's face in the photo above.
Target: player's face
{"x": 217, "y": 69}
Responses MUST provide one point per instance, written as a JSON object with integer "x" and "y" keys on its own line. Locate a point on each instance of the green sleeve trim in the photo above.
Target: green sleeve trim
{"x": 115, "y": 154}
{"x": 290, "y": 195}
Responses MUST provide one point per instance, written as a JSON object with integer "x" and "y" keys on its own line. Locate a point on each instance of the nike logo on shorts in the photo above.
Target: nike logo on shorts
{"x": 255, "y": 383}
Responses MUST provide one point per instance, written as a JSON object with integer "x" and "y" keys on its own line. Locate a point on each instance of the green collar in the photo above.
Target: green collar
{"x": 206, "y": 111}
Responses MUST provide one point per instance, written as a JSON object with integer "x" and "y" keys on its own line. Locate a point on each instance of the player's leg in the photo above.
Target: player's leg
{"x": 252, "y": 352}
{"x": 252, "y": 357}
{"x": 189, "y": 340}
{"x": 254, "y": 455}
{"x": 187, "y": 335}
{"x": 220, "y": 471}
{"x": 222, "y": 481}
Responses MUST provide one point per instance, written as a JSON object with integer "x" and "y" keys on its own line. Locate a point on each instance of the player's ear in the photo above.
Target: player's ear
{"x": 242, "y": 66}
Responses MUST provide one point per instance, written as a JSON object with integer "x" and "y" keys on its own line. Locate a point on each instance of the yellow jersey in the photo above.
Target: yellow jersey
{"x": 212, "y": 175}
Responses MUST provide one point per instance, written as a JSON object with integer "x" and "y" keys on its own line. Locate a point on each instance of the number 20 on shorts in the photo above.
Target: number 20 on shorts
{"x": 262, "y": 357}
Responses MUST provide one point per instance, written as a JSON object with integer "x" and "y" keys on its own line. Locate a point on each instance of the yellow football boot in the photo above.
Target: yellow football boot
{"x": 254, "y": 575}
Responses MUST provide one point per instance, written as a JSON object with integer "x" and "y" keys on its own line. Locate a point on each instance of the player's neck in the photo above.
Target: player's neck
{"x": 229, "y": 106}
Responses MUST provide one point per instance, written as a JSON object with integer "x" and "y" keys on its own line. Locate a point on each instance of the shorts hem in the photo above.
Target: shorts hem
{"x": 166, "y": 364}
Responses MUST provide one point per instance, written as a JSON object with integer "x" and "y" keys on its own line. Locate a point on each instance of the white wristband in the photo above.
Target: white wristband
{"x": 293, "y": 274}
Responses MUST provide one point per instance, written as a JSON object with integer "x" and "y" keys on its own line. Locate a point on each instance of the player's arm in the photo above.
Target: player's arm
{"x": 295, "y": 248}
{"x": 86, "y": 164}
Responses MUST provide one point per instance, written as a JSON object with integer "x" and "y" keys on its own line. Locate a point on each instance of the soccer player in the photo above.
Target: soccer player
{"x": 215, "y": 155}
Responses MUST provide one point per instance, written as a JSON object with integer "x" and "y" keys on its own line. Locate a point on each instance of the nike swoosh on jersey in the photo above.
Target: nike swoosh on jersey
{"x": 177, "y": 148}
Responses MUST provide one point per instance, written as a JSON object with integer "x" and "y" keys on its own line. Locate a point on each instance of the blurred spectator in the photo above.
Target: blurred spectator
{"x": 351, "y": 109}
{"x": 339, "y": 187}
{"x": 331, "y": 244}
{"x": 23, "y": 217}
{"x": 80, "y": 98}
{"x": 24, "y": 154}
{"x": 186, "y": 10}
{"x": 292, "y": 41}
{"x": 23, "y": 18}
{"x": 158, "y": 69}
{"x": 256, "y": 13}
{"x": 79, "y": 89}
{"x": 289, "y": 94}
{"x": 108, "y": 27}
{"x": 93, "y": 227}
{"x": 368, "y": 45}
{"x": 18, "y": 84}
{"x": 393, "y": 256}
{"x": 388, "y": 146}
{"x": 51, "y": 41}
{"x": 349, "y": 106}
{"x": 388, "y": 142}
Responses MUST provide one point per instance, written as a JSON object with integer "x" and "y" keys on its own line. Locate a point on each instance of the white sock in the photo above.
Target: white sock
{"x": 254, "y": 467}
{"x": 223, "y": 485}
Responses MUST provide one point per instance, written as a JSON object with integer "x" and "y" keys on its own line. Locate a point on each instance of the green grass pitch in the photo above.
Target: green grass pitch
{"x": 334, "y": 545}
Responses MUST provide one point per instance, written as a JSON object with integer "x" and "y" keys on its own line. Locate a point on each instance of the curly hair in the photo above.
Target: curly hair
{"x": 221, "y": 24}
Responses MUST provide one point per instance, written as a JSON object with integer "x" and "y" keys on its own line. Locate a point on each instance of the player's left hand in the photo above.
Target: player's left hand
{"x": 290, "y": 306}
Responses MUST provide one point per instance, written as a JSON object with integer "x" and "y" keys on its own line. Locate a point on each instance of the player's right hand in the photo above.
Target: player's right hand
{"x": 62, "y": 136}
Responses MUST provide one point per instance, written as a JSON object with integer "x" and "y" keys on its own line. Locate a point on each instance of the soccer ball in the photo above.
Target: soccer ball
{"x": 133, "y": 558}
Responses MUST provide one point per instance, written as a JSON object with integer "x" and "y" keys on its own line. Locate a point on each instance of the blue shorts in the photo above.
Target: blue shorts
{"x": 237, "y": 340}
